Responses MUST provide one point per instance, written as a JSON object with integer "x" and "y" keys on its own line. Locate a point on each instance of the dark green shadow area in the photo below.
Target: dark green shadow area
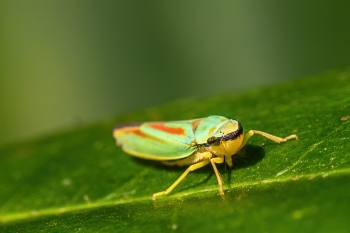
{"x": 79, "y": 180}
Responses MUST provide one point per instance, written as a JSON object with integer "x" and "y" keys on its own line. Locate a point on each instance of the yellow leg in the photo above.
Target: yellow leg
{"x": 266, "y": 135}
{"x": 189, "y": 169}
{"x": 218, "y": 176}
{"x": 228, "y": 160}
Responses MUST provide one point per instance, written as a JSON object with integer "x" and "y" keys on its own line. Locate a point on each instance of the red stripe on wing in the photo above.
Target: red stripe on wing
{"x": 171, "y": 130}
{"x": 133, "y": 130}
{"x": 138, "y": 132}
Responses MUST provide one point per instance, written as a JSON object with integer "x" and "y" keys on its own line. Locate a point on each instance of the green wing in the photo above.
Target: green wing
{"x": 158, "y": 140}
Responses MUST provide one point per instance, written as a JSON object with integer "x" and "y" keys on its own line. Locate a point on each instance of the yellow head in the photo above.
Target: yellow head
{"x": 227, "y": 139}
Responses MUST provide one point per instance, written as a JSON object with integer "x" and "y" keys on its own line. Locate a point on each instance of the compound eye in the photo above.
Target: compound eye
{"x": 213, "y": 140}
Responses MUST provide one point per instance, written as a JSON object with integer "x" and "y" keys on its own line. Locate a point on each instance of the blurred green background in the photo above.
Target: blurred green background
{"x": 65, "y": 63}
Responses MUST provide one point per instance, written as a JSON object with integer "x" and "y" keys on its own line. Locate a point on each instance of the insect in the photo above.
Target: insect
{"x": 194, "y": 143}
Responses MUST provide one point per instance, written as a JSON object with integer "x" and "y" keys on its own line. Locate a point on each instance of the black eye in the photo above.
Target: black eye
{"x": 213, "y": 141}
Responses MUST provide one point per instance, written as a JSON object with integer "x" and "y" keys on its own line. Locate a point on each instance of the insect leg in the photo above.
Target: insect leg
{"x": 189, "y": 169}
{"x": 218, "y": 176}
{"x": 266, "y": 135}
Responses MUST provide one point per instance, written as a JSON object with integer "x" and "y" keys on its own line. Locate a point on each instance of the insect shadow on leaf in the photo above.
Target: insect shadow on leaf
{"x": 246, "y": 157}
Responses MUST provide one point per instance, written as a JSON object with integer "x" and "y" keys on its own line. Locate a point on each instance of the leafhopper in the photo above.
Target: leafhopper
{"x": 194, "y": 143}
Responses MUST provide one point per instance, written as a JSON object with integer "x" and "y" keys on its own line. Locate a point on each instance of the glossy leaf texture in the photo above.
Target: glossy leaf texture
{"x": 79, "y": 180}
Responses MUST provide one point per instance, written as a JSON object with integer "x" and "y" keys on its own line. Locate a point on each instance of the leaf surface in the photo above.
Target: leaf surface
{"x": 80, "y": 180}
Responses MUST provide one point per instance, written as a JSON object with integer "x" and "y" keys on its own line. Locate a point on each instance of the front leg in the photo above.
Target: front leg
{"x": 228, "y": 160}
{"x": 189, "y": 169}
{"x": 218, "y": 176}
{"x": 266, "y": 135}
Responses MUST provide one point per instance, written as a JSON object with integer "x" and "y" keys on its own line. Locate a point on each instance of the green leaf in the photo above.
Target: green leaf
{"x": 80, "y": 181}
